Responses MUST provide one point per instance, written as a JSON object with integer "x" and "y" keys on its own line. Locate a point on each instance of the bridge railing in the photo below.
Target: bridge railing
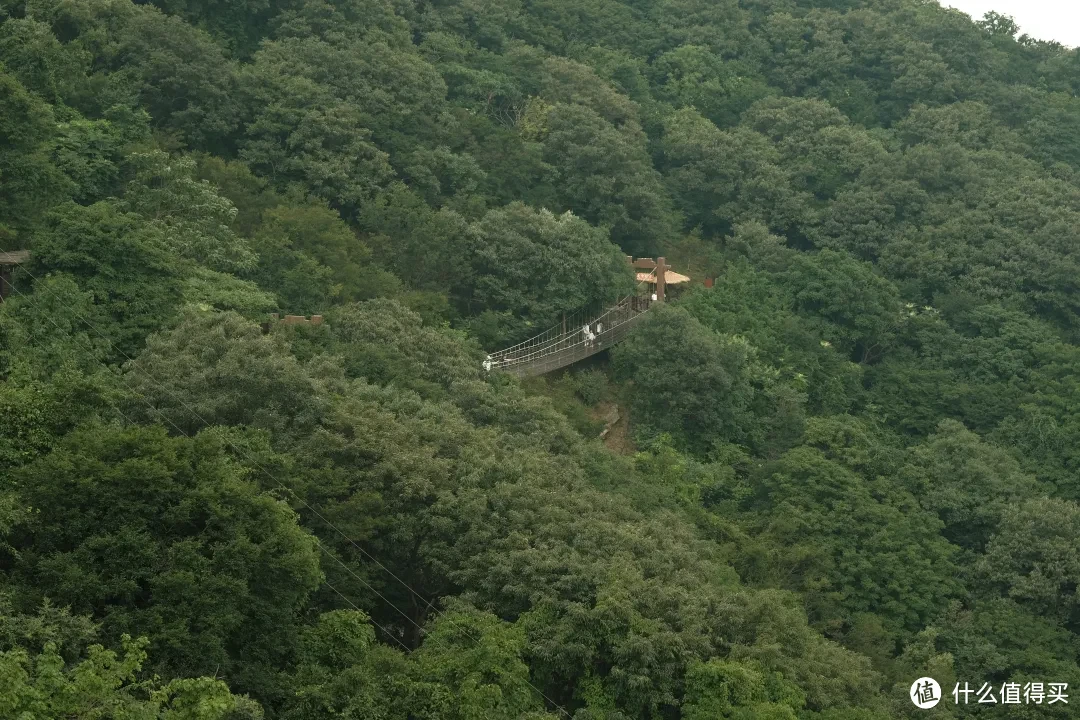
{"x": 551, "y": 350}
{"x": 566, "y": 343}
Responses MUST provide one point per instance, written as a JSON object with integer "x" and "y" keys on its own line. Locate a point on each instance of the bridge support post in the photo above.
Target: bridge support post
{"x": 661, "y": 279}
{"x": 8, "y": 262}
{"x": 5, "y": 281}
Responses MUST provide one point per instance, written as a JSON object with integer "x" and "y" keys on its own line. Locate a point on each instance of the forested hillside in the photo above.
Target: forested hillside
{"x": 850, "y": 463}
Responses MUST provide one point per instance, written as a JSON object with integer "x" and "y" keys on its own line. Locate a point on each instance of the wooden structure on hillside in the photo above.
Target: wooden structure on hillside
{"x": 292, "y": 320}
{"x": 8, "y": 262}
{"x": 659, "y": 274}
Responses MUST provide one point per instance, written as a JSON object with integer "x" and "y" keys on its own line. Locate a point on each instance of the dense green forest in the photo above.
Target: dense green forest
{"x": 851, "y": 462}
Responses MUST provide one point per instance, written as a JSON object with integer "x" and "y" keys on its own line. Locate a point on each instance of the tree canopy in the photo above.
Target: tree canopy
{"x": 847, "y": 462}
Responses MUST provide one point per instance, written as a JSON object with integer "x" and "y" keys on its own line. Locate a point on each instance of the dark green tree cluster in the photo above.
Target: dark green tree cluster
{"x": 854, "y": 457}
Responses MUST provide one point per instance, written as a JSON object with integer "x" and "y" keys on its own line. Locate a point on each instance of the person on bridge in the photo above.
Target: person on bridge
{"x": 587, "y": 334}
{"x": 487, "y": 364}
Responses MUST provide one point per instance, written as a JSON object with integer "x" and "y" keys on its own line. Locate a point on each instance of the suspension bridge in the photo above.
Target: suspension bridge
{"x": 589, "y": 330}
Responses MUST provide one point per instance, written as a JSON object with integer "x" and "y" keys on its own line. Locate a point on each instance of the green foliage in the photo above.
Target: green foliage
{"x": 719, "y": 177}
{"x": 333, "y": 155}
{"x": 313, "y": 232}
{"x": 1033, "y": 557}
{"x": 471, "y": 665}
{"x": 105, "y": 685}
{"x": 176, "y": 71}
{"x": 50, "y": 330}
{"x": 167, "y": 538}
{"x": 344, "y": 672}
{"x": 207, "y": 289}
{"x": 91, "y": 152}
{"x": 193, "y": 376}
{"x": 423, "y": 247}
{"x": 968, "y": 483}
{"x": 702, "y": 387}
{"x": 122, "y": 259}
{"x": 997, "y": 636}
{"x": 42, "y": 64}
{"x": 607, "y": 177}
{"x": 693, "y": 76}
{"x": 31, "y": 182}
{"x": 51, "y": 363}
{"x": 385, "y": 342}
{"x": 747, "y": 302}
{"x": 903, "y": 569}
{"x": 862, "y": 311}
{"x": 855, "y": 458}
{"x": 533, "y": 266}
{"x": 165, "y": 192}
{"x": 719, "y": 689}
{"x": 591, "y": 386}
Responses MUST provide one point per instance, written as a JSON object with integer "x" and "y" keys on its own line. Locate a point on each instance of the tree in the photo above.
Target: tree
{"x": 719, "y": 689}
{"x": 31, "y": 182}
{"x": 240, "y": 25}
{"x": 967, "y": 482}
{"x": 91, "y": 152}
{"x": 387, "y": 343}
{"x": 692, "y": 76}
{"x": 530, "y": 266}
{"x": 574, "y": 83}
{"x": 301, "y": 136}
{"x": 823, "y": 150}
{"x": 471, "y": 665}
{"x": 176, "y": 71}
{"x": 209, "y": 289}
{"x": 123, "y": 260}
{"x": 748, "y": 302}
{"x": 696, "y": 22}
{"x": 51, "y": 362}
{"x": 42, "y": 64}
{"x": 878, "y": 554}
{"x": 313, "y": 233}
{"x": 998, "y": 24}
{"x": 218, "y": 368}
{"x": 722, "y": 178}
{"x": 446, "y": 179}
{"x": 425, "y": 248}
{"x": 852, "y": 459}
{"x": 688, "y": 380}
{"x": 379, "y": 78}
{"x": 862, "y": 311}
{"x": 1033, "y": 557}
{"x": 192, "y": 217}
{"x": 999, "y": 637}
{"x": 606, "y": 176}
{"x": 342, "y": 672}
{"x": 166, "y": 537}
{"x": 105, "y": 685}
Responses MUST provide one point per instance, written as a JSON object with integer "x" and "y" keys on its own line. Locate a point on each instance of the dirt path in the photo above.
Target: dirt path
{"x": 615, "y": 434}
